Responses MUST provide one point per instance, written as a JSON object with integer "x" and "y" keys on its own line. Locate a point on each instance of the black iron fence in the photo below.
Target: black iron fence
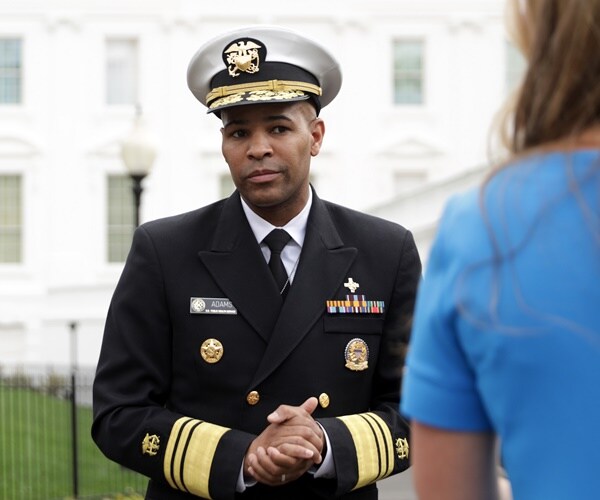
{"x": 46, "y": 451}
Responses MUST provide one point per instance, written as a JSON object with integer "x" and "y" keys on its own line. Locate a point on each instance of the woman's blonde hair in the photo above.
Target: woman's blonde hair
{"x": 559, "y": 97}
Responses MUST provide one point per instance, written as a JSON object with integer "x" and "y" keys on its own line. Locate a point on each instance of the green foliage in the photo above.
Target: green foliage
{"x": 36, "y": 457}
{"x": 55, "y": 385}
{"x": 19, "y": 379}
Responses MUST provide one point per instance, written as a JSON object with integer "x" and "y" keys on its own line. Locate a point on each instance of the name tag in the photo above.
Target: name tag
{"x": 211, "y": 305}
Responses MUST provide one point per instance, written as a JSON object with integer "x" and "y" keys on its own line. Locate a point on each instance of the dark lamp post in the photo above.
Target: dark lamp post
{"x": 138, "y": 153}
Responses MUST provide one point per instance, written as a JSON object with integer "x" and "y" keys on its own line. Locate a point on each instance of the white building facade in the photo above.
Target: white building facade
{"x": 422, "y": 83}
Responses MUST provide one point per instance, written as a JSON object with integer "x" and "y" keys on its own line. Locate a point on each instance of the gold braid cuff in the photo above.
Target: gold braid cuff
{"x": 273, "y": 85}
{"x": 190, "y": 454}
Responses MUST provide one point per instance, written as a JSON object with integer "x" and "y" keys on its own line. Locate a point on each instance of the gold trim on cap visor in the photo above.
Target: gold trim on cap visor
{"x": 271, "y": 85}
{"x": 257, "y": 96}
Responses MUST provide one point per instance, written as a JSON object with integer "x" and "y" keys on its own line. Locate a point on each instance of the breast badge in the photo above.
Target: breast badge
{"x": 357, "y": 355}
{"x": 211, "y": 351}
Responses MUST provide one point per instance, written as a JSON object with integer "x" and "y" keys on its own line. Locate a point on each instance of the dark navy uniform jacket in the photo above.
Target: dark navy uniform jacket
{"x": 162, "y": 409}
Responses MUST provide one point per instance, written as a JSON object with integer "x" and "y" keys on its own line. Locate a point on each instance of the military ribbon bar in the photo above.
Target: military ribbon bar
{"x": 355, "y": 304}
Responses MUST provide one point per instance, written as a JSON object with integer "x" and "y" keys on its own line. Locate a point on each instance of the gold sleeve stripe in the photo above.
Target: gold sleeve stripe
{"x": 177, "y": 465}
{"x": 374, "y": 452}
{"x": 189, "y": 455}
{"x": 377, "y": 434}
{"x": 173, "y": 453}
{"x": 387, "y": 461}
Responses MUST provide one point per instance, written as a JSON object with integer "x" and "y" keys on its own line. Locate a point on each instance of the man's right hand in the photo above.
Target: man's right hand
{"x": 289, "y": 446}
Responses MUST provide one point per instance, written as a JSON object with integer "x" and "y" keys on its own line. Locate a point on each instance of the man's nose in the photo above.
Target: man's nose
{"x": 259, "y": 146}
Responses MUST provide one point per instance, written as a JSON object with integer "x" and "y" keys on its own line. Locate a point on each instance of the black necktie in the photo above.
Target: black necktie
{"x": 276, "y": 240}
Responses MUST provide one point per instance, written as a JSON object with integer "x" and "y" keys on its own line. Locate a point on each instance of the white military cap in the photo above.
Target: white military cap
{"x": 262, "y": 64}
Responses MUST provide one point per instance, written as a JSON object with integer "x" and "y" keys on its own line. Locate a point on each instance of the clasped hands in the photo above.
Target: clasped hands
{"x": 290, "y": 445}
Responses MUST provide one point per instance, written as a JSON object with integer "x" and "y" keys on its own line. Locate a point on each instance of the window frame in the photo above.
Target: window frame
{"x": 17, "y": 227}
{"x": 18, "y": 70}
{"x": 412, "y": 73}
{"x": 116, "y": 79}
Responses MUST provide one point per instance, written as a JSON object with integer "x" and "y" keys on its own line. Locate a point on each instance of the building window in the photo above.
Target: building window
{"x": 10, "y": 219}
{"x": 120, "y": 218}
{"x": 10, "y": 70}
{"x": 515, "y": 67}
{"x": 121, "y": 71}
{"x": 408, "y": 71}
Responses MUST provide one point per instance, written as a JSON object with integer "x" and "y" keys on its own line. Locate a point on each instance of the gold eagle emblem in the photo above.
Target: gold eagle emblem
{"x": 242, "y": 57}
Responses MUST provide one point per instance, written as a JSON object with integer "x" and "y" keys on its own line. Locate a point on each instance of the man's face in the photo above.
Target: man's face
{"x": 268, "y": 148}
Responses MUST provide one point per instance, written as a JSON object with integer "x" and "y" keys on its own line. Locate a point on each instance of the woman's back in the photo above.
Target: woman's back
{"x": 507, "y": 328}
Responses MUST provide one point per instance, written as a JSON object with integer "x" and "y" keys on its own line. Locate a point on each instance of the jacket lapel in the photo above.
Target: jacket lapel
{"x": 237, "y": 265}
{"x": 323, "y": 266}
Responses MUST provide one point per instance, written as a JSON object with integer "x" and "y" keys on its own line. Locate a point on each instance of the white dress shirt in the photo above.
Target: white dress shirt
{"x": 290, "y": 256}
{"x": 296, "y": 228}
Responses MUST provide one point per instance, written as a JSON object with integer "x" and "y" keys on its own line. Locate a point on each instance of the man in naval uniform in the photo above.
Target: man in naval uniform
{"x": 254, "y": 347}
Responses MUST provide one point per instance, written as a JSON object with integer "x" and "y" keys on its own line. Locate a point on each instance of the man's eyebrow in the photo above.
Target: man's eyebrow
{"x": 235, "y": 122}
{"x": 267, "y": 119}
{"x": 273, "y": 118}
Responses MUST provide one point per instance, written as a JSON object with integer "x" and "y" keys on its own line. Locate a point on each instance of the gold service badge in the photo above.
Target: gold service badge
{"x": 211, "y": 351}
{"x": 357, "y": 355}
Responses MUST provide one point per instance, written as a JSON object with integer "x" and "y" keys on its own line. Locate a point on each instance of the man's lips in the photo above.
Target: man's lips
{"x": 261, "y": 176}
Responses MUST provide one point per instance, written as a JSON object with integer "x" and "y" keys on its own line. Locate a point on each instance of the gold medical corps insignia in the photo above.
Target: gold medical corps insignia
{"x": 242, "y": 56}
{"x": 357, "y": 355}
{"x": 402, "y": 448}
{"x": 150, "y": 445}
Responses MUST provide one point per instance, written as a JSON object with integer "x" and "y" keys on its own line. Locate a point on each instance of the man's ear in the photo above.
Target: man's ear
{"x": 317, "y": 132}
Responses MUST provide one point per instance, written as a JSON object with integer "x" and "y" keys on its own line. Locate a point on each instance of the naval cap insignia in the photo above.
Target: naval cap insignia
{"x": 351, "y": 285}
{"x": 150, "y": 445}
{"x": 211, "y": 351}
{"x": 243, "y": 56}
{"x": 357, "y": 355}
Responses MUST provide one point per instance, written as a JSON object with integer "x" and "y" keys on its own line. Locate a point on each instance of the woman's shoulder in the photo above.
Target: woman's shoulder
{"x": 514, "y": 197}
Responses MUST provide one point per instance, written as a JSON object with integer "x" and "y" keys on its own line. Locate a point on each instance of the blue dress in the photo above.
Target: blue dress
{"x": 507, "y": 325}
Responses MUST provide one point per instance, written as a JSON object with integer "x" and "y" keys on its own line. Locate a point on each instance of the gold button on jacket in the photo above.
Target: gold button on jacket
{"x": 253, "y": 397}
